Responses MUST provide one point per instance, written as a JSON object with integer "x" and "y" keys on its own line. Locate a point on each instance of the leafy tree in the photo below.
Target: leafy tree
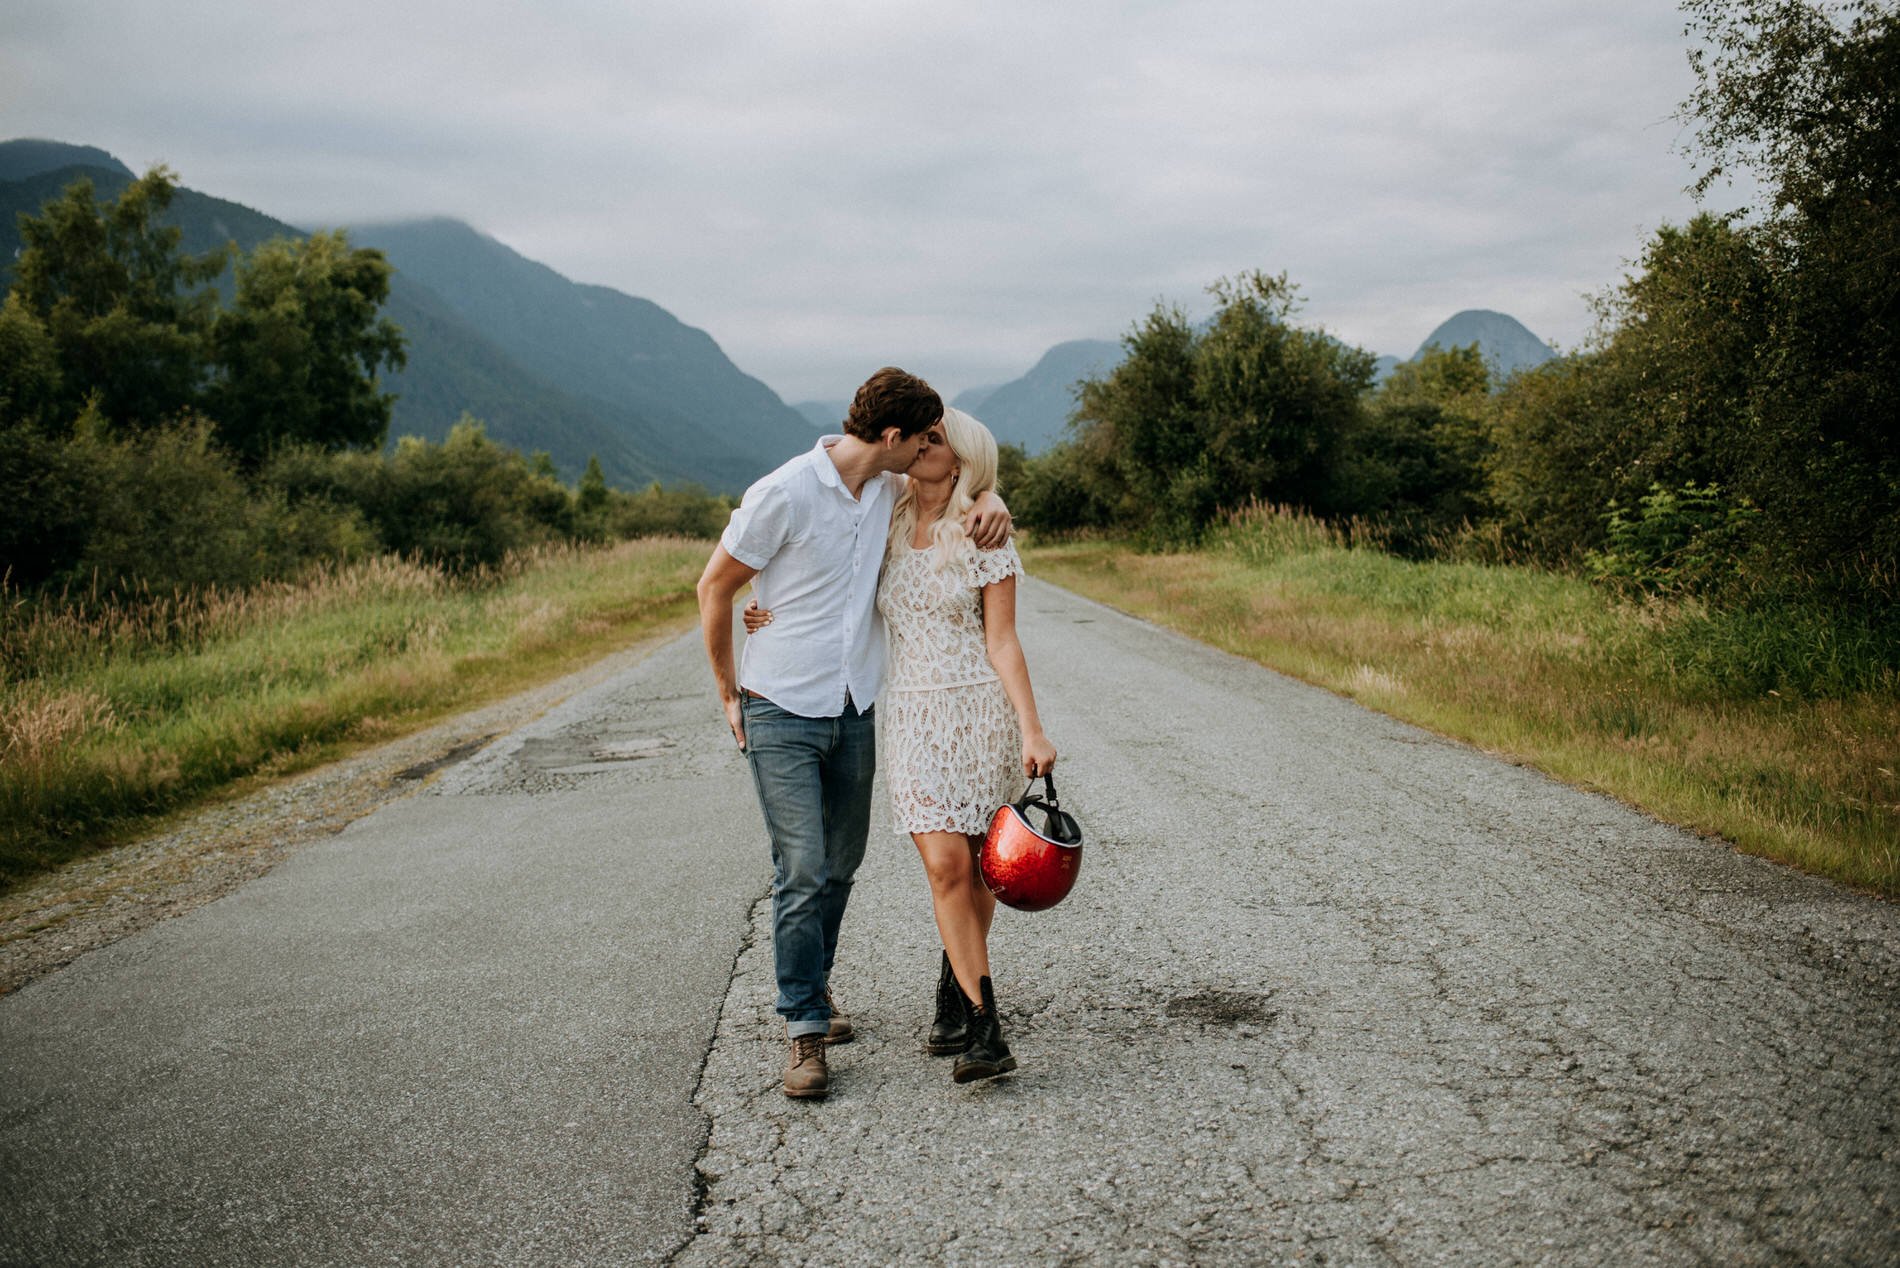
{"x": 51, "y": 497}
{"x": 1063, "y": 489}
{"x": 1666, "y": 396}
{"x": 1555, "y": 465}
{"x": 1012, "y": 464}
{"x": 1276, "y": 399}
{"x": 590, "y": 498}
{"x": 1806, "y": 97}
{"x": 29, "y": 366}
{"x": 1192, "y": 424}
{"x": 1419, "y": 455}
{"x": 1136, "y": 429}
{"x": 170, "y": 509}
{"x": 467, "y": 502}
{"x": 1685, "y": 343}
{"x": 160, "y": 508}
{"x": 1799, "y": 94}
{"x": 299, "y": 349}
{"x": 128, "y": 315}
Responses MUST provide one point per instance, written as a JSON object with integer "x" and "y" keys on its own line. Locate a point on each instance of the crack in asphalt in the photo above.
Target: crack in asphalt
{"x": 702, "y": 1180}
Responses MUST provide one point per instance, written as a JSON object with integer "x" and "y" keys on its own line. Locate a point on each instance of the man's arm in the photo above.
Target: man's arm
{"x": 988, "y": 522}
{"x": 718, "y": 586}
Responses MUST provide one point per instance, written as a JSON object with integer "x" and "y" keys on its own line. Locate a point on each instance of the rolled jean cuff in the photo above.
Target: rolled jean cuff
{"x": 793, "y": 1029}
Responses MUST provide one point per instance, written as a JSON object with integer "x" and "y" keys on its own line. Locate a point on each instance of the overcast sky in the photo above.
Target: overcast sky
{"x": 828, "y": 187}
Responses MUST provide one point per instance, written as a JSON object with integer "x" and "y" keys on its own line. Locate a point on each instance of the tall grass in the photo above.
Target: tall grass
{"x": 1776, "y": 727}
{"x": 115, "y": 708}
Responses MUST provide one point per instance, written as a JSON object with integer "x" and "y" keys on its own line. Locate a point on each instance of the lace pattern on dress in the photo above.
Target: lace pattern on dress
{"x": 933, "y": 614}
{"x": 951, "y": 744}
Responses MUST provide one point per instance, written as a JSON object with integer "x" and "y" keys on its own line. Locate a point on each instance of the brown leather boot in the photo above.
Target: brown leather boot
{"x": 807, "y": 1077}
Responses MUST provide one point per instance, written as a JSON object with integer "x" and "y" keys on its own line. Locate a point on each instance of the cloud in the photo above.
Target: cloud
{"x": 954, "y": 188}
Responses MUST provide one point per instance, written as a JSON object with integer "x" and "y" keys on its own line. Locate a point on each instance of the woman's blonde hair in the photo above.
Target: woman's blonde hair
{"x": 975, "y": 450}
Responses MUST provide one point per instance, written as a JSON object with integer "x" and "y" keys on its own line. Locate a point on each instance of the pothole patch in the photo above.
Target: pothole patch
{"x": 634, "y": 750}
{"x": 1223, "y": 1008}
{"x": 422, "y": 770}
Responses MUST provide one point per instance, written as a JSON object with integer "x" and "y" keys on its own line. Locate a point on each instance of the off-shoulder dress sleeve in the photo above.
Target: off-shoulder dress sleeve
{"x": 987, "y": 567}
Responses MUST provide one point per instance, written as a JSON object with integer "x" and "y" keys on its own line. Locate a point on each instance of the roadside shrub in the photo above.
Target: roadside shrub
{"x": 49, "y": 492}
{"x": 1675, "y": 541}
{"x": 1062, "y": 491}
{"x": 170, "y": 510}
{"x": 466, "y": 503}
{"x": 685, "y": 511}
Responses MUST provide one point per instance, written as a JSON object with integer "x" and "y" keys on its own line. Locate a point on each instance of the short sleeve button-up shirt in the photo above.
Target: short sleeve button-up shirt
{"x": 817, "y": 550}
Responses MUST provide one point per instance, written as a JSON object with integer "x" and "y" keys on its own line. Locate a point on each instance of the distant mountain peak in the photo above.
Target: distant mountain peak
{"x": 1507, "y": 344}
{"x": 25, "y": 157}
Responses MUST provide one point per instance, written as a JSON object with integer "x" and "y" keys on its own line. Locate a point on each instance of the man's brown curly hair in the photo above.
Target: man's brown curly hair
{"x": 892, "y": 398}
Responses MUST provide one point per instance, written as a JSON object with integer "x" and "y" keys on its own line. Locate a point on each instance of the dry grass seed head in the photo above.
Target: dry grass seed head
{"x": 37, "y": 722}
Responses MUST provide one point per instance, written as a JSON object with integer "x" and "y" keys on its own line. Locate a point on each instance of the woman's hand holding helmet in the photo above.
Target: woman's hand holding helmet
{"x": 1039, "y": 755}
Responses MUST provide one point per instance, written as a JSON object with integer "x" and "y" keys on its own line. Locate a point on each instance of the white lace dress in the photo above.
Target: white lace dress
{"x": 951, "y": 746}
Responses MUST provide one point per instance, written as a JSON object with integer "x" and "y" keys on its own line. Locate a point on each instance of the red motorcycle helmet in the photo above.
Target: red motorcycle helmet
{"x": 1028, "y": 868}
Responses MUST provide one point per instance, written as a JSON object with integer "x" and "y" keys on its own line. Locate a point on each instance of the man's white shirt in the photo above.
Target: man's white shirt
{"x": 817, "y": 550}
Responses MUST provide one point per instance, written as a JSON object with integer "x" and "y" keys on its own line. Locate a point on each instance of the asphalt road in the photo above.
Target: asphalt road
{"x": 1330, "y": 990}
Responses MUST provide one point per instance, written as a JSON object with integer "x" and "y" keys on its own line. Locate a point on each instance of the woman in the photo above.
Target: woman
{"x": 960, "y": 727}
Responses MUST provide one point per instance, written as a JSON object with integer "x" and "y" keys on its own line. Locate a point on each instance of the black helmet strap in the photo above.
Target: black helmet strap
{"x": 1057, "y": 825}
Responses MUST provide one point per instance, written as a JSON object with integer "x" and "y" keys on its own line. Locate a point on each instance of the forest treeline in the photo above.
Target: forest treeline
{"x": 171, "y": 421}
{"x": 1729, "y": 431}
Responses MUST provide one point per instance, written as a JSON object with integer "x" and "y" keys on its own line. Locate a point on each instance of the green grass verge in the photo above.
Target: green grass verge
{"x": 113, "y": 719}
{"x": 1662, "y": 706}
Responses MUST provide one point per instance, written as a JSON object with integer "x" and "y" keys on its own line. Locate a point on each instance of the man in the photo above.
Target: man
{"x": 812, "y": 535}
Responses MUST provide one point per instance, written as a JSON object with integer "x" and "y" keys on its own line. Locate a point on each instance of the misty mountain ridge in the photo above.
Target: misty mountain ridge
{"x": 826, "y": 416}
{"x": 970, "y": 399}
{"x": 703, "y": 414}
{"x": 653, "y": 398}
{"x": 1033, "y": 411}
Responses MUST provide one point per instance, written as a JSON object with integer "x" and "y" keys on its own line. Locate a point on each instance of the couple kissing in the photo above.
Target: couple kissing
{"x": 885, "y": 581}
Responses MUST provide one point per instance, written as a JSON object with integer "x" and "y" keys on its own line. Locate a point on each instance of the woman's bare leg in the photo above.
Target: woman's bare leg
{"x": 985, "y": 901}
{"x": 962, "y": 905}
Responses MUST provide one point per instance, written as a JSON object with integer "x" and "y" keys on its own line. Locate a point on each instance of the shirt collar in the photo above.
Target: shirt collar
{"x": 821, "y": 459}
{"x": 828, "y": 470}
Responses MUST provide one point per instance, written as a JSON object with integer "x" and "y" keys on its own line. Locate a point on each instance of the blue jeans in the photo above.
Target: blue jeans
{"x": 813, "y": 777}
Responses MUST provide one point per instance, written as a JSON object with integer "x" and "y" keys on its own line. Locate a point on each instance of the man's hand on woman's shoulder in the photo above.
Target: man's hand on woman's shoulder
{"x": 988, "y": 522}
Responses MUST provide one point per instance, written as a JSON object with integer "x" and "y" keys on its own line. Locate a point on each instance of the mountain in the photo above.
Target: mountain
{"x": 970, "y": 399}
{"x": 27, "y": 156}
{"x": 1033, "y": 411}
{"x": 669, "y": 407}
{"x": 826, "y": 416}
{"x": 1505, "y": 342}
{"x": 451, "y": 368}
{"x": 698, "y": 412}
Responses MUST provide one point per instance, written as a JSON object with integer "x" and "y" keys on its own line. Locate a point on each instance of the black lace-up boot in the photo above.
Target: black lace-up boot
{"x": 987, "y": 1056}
{"x": 949, "y": 1034}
